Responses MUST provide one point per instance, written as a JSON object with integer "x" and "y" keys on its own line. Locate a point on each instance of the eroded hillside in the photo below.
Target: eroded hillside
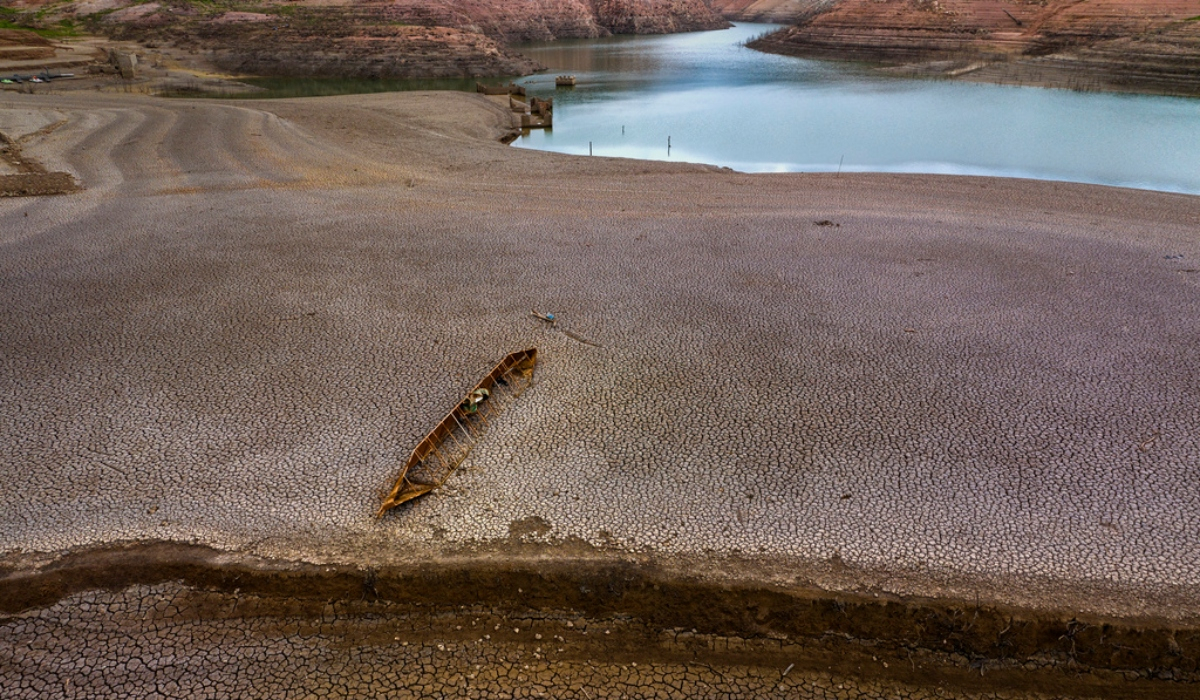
{"x": 1144, "y": 45}
{"x": 371, "y": 38}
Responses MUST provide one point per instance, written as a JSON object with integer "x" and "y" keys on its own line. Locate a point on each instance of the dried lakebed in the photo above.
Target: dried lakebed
{"x": 828, "y": 423}
{"x": 187, "y": 621}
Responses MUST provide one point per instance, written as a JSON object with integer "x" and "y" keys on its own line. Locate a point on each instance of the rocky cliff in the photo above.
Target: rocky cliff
{"x": 367, "y": 38}
{"x": 776, "y": 11}
{"x": 1138, "y": 45}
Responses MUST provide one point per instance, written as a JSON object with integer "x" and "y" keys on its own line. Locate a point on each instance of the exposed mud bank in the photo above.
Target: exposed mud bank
{"x": 1146, "y": 47}
{"x": 1094, "y": 69}
{"x": 660, "y": 616}
{"x": 27, "y": 177}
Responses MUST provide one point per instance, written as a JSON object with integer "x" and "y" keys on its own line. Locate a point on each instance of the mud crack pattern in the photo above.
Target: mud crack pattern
{"x": 167, "y": 641}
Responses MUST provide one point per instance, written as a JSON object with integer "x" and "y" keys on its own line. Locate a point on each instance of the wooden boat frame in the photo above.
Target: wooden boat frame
{"x": 445, "y": 447}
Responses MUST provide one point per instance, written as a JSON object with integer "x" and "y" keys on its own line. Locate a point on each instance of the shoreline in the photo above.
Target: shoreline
{"x": 1144, "y": 47}
{"x": 1049, "y": 72}
{"x": 178, "y": 69}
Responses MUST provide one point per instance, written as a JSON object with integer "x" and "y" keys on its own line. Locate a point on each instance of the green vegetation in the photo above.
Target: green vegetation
{"x": 280, "y": 10}
{"x": 64, "y": 28}
{"x": 203, "y": 8}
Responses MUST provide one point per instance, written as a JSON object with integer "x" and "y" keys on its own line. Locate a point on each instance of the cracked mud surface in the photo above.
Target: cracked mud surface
{"x": 235, "y": 648}
{"x": 969, "y": 389}
{"x": 161, "y": 620}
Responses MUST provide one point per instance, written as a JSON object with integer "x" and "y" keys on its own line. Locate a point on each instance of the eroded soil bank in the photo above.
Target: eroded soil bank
{"x": 22, "y": 176}
{"x": 1148, "y": 46}
{"x": 363, "y": 39}
{"x": 192, "y": 621}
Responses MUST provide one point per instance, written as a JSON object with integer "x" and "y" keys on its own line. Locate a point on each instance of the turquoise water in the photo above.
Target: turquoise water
{"x": 724, "y": 104}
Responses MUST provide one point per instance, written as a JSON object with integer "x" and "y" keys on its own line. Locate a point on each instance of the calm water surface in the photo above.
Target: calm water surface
{"x": 724, "y": 104}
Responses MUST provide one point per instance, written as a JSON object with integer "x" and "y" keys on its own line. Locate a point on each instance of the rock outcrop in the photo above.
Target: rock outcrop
{"x": 546, "y": 20}
{"x": 656, "y": 16}
{"x": 1141, "y": 45}
{"x": 776, "y": 11}
{"x": 374, "y": 51}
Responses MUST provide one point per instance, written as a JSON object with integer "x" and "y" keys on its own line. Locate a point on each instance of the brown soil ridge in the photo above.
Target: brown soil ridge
{"x": 381, "y": 52}
{"x": 363, "y": 40}
{"x": 1147, "y": 46}
{"x": 22, "y": 45}
{"x": 771, "y": 11}
{"x": 965, "y": 646}
{"x": 31, "y": 178}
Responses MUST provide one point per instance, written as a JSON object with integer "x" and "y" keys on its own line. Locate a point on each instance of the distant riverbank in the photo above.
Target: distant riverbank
{"x": 1140, "y": 46}
{"x": 721, "y": 103}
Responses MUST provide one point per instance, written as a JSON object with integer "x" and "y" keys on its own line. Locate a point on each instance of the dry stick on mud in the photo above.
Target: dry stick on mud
{"x": 553, "y": 321}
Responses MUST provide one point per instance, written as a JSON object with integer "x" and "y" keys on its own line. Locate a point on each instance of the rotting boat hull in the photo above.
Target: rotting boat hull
{"x": 445, "y": 447}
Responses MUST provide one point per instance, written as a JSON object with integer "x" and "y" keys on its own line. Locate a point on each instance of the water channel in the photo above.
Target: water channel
{"x": 721, "y": 103}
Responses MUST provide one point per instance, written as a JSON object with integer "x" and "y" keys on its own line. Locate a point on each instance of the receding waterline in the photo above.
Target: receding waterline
{"x": 721, "y": 103}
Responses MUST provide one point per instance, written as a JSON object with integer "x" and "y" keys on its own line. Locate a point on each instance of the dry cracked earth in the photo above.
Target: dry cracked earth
{"x": 918, "y": 396}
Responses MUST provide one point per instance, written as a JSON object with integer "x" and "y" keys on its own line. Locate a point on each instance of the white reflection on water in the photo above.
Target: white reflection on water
{"x": 723, "y": 104}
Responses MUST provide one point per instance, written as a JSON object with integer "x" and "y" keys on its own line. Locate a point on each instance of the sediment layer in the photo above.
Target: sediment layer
{"x": 771, "y": 11}
{"x": 21, "y": 176}
{"x": 1150, "y": 46}
{"x": 369, "y": 38}
{"x": 580, "y": 622}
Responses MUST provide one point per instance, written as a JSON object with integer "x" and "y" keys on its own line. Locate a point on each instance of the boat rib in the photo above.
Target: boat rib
{"x": 445, "y": 447}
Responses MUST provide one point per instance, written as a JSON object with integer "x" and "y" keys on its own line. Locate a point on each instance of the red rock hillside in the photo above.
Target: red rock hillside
{"x": 776, "y": 11}
{"x": 1143, "y": 45}
{"x": 366, "y": 38}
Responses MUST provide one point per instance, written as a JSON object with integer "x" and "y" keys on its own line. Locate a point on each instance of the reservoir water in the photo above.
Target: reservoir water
{"x": 724, "y": 104}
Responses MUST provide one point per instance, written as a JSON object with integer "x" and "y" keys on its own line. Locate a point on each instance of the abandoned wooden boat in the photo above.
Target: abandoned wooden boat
{"x": 445, "y": 447}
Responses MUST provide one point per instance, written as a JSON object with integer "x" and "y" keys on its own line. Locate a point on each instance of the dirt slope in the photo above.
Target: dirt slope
{"x": 367, "y": 38}
{"x": 1146, "y": 45}
{"x": 778, "y": 11}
